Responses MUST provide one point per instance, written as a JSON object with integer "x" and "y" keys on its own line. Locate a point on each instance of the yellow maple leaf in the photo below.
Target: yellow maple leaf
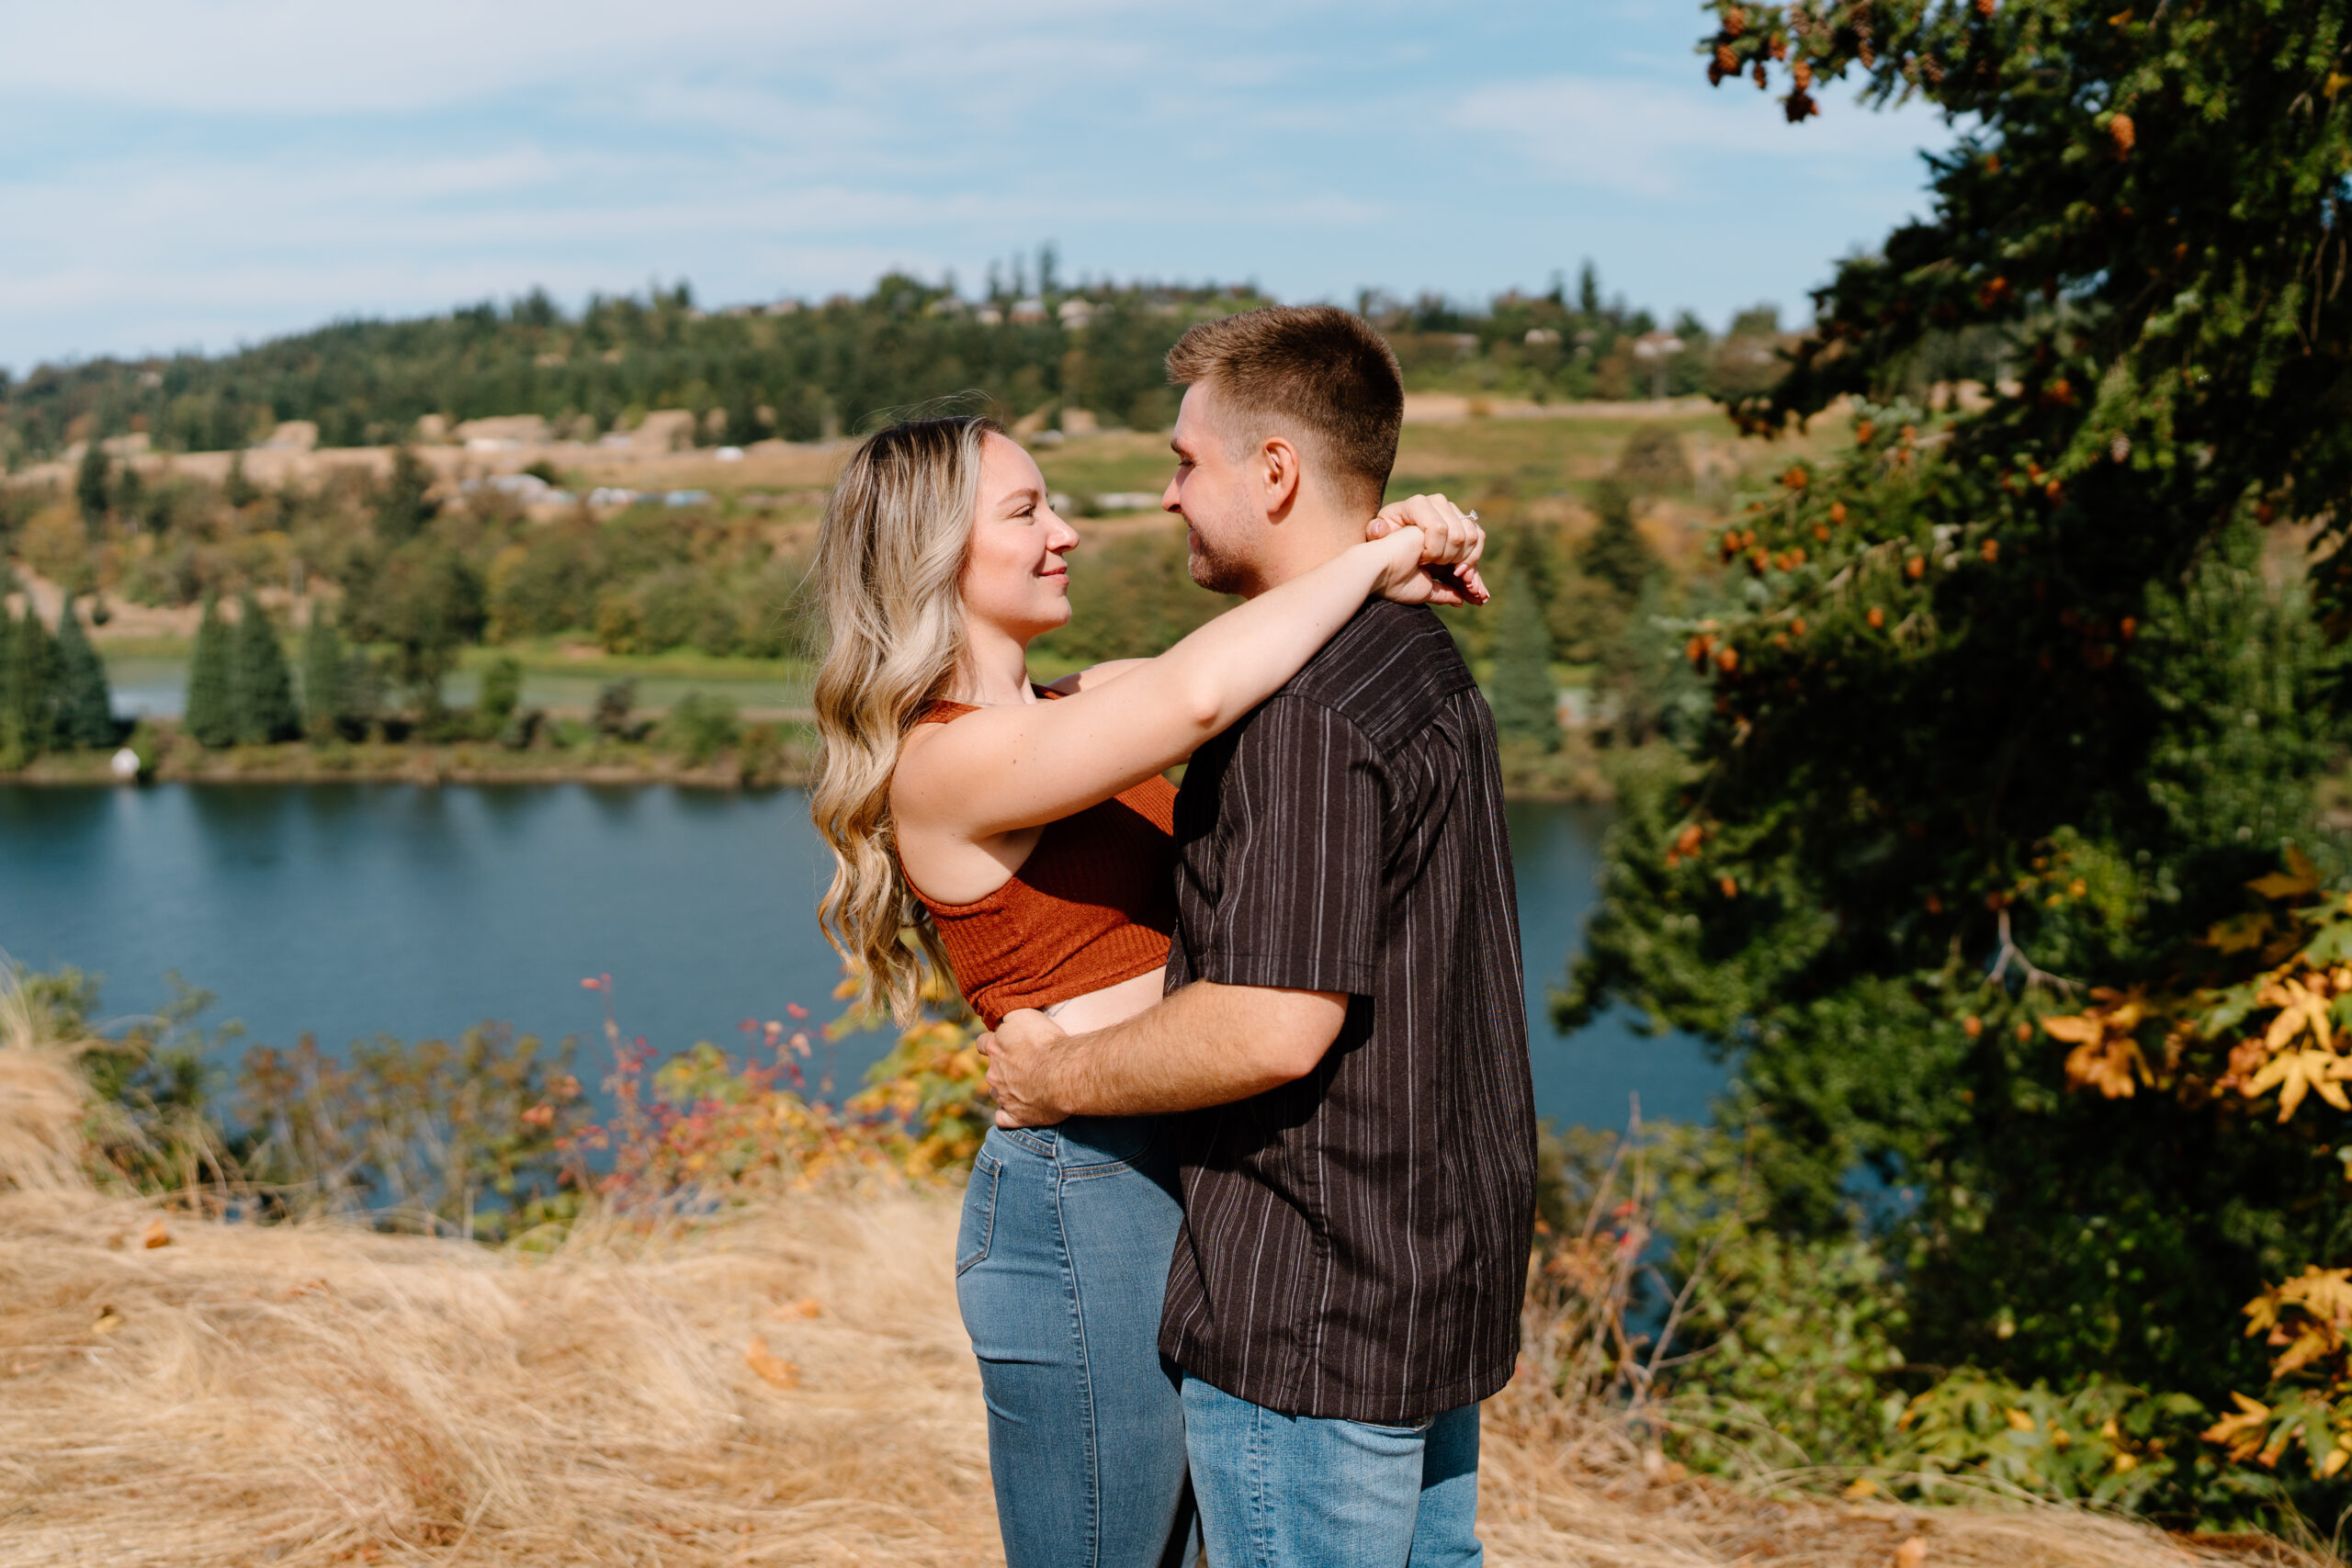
{"x": 2295, "y": 1074}
{"x": 2239, "y": 932}
{"x": 2243, "y": 1430}
{"x": 2077, "y": 1028}
{"x": 2299, "y": 878}
{"x": 2326, "y": 1293}
{"x": 2301, "y": 1008}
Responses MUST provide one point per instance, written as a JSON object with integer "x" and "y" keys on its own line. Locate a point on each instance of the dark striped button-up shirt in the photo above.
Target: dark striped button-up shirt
{"x": 1355, "y": 1243}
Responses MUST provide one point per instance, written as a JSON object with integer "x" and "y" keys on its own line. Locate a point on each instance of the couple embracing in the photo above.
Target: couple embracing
{"x": 1246, "y": 1246}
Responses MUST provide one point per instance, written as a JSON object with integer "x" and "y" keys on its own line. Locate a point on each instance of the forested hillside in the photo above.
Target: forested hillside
{"x": 799, "y": 370}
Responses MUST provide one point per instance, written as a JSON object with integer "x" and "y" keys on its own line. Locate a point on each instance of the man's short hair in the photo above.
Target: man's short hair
{"x": 1317, "y": 366}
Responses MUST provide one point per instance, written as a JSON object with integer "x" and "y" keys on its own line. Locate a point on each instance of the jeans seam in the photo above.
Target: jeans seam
{"x": 1085, "y": 1381}
{"x": 1261, "y": 1448}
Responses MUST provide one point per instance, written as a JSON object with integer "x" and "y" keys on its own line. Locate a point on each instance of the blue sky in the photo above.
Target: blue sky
{"x": 199, "y": 173}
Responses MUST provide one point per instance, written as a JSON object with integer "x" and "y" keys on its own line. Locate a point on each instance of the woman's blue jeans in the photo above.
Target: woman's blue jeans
{"x": 1061, "y": 1266}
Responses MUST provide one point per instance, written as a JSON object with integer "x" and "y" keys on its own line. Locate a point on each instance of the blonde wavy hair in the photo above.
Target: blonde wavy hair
{"x": 889, "y": 554}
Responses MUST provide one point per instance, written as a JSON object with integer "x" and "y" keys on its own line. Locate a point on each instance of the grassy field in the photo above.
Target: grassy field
{"x": 786, "y": 1384}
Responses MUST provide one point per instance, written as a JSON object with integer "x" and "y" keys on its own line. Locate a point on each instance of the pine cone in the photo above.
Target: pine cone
{"x": 1984, "y": 9}
{"x": 1714, "y": 75}
{"x": 1933, "y": 69}
{"x": 1735, "y": 21}
{"x": 1802, "y": 74}
{"x": 1762, "y": 80}
{"x": 1725, "y": 61}
{"x": 2123, "y": 134}
{"x": 1863, "y": 53}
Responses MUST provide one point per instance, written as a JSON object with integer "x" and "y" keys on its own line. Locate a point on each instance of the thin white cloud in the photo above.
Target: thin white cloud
{"x": 1656, "y": 138}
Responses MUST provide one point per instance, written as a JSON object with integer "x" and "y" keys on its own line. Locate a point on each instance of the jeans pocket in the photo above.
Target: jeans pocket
{"x": 972, "y": 1236}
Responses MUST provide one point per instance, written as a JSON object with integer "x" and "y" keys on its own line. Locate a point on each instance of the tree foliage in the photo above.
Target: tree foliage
{"x": 28, "y": 680}
{"x": 325, "y": 675}
{"x": 2019, "y": 700}
{"x": 261, "y": 687}
{"x": 84, "y": 708}
{"x": 211, "y": 715}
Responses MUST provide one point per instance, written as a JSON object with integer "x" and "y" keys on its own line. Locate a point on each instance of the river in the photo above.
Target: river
{"x": 346, "y": 910}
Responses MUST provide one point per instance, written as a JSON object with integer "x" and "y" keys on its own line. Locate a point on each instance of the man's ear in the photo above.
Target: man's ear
{"x": 1279, "y": 474}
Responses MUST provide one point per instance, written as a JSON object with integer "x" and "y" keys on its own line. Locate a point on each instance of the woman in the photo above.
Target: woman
{"x": 1025, "y": 834}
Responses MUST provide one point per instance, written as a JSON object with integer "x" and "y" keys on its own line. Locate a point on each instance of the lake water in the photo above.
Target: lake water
{"x": 350, "y": 909}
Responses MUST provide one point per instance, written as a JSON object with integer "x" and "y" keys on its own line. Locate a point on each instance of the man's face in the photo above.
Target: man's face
{"x": 1215, "y": 491}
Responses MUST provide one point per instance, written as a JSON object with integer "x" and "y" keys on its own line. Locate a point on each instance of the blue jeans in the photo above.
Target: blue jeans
{"x": 1060, "y": 1270}
{"x": 1305, "y": 1492}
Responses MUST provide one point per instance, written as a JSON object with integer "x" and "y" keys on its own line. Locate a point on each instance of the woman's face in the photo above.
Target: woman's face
{"x": 1013, "y": 579}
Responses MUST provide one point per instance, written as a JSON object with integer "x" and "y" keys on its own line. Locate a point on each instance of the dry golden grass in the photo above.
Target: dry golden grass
{"x": 183, "y": 1391}
{"x": 788, "y": 1386}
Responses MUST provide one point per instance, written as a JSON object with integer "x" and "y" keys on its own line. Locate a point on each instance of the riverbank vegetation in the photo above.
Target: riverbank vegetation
{"x": 421, "y": 599}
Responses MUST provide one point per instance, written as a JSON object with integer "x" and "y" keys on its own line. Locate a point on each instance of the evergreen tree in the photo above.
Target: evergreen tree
{"x": 90, "y": 482}
{"x": 502, "y": 691}
{"x": 260, "y": 688}
{"x": 325, "y": 675}
{"x": 1615, "y": 553}
{"x": 28, "y": 693}
{"x": 211, "y": 714}
{"x": 406, "y": 503}
{"x": 237, "y": 490}
{"x": 2015, "y": 702}
{"x": 1526, "y": 703}
{"x": 84, "y": 708}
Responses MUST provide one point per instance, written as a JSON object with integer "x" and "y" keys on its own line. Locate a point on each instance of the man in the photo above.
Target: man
{"x": 1343, "y": 1024}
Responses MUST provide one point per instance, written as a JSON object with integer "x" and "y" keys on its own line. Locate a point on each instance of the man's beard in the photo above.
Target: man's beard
{"x": 1215, "y": 572}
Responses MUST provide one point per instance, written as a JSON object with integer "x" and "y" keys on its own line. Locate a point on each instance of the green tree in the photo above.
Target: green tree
{"x": 502, "y": 688}
{"x": 90, "y": 485}
{"x": 405, "y": 504}
{"x": 325, "y": 675}
{"x": 27, "y": 692}
{"x": 260, "y": 688}
{"x": 427, "y": 601}
{"x": 237, "y": 490}
{"x": 1615, "y": 553}
{"x": 210, "y": 716}
{"x": 1525, "y": 700}
{"x": 84, "y": 708}
{"x": 2011, "y": 700}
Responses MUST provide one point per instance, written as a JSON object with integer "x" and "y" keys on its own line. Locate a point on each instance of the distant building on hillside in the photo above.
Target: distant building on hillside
{"x": 1076, "y": 314}
{"x": 1028, "y": 311}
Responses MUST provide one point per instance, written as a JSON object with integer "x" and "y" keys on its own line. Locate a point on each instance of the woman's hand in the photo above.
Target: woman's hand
{"x": 1441, "y": 568}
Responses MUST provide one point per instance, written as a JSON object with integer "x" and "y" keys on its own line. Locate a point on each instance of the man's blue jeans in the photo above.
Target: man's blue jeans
{"x": 1280, "y": 1490}
{"x": 1060, "y": 1269}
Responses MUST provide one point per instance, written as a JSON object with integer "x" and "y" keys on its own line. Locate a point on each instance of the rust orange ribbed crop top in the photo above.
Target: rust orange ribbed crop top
{"x": 1094, "y": 904}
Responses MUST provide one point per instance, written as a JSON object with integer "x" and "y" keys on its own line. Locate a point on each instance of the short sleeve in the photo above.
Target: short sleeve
{"x": 1298, "y": 840}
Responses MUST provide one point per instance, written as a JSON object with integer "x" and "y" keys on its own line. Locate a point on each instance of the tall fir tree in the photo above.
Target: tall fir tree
{"x": 405, "y": 504}
{"x": 1525, "y": 702}
{"x": 90, "y": 481}
{"x": 1615, "y": 552}
{"x": 261, "y": 687}
{"x": 211, "y": 714}
{"x": 325, "y": 675}
{"x": 84, "y": 707}
{"x": 28, "y": 693}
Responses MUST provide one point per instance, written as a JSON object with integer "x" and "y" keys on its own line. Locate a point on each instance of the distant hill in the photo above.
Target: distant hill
{"x": 800, "y": 370}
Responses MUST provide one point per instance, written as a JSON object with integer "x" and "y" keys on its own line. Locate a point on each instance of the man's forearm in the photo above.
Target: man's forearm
{"x": 1206, "y": 1045}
